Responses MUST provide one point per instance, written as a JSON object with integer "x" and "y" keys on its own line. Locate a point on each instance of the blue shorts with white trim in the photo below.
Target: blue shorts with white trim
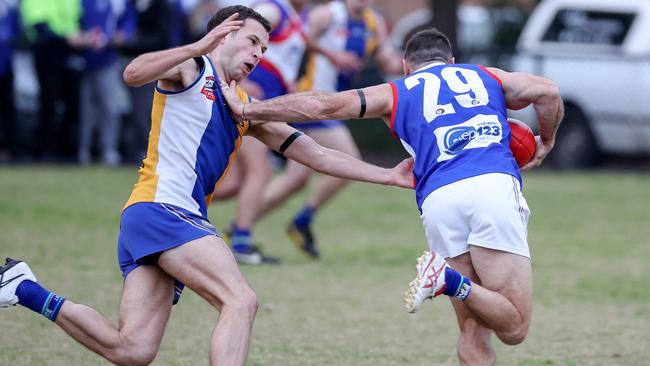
{"x": 147, "y": 229}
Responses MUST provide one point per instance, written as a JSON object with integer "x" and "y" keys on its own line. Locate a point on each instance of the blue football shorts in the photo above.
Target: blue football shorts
{"x": 147, "y": 229}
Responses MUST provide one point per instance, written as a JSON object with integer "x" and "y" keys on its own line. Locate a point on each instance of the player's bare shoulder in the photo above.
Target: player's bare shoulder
{"x": 182, "y": 75}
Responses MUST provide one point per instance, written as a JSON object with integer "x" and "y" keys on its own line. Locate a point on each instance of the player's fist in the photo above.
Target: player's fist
{"x": 402, "y": 173}
{"x": 543, "y": 148}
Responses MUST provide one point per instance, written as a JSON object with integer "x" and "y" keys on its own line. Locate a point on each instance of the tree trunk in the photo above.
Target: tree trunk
{"x": 446, "y": 20}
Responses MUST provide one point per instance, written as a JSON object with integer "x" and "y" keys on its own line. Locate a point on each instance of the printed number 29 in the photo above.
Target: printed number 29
{"x": 462, "y": 88}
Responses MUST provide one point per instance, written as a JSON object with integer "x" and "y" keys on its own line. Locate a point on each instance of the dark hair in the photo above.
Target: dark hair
{"x": 244, "y": 13}
{"x": 426, "y": 46}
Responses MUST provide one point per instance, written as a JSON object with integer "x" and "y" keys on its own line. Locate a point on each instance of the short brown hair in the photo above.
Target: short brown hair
{"x": 244, "y": 13}
{"x": 426, "y": 46}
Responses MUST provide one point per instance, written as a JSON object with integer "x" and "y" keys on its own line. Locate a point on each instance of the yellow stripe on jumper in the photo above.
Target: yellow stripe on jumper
{"x": 145, "y": 189}
{"x": 371, "y": 22}
{"x": 306, "y": 82}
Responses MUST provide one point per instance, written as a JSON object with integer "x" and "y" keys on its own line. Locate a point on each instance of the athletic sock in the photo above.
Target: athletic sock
{"x": 457, "y": 285}
{"x": 241, "y": 239}
{"x": 305, "y": 216}
{"x": 33, "y": 296}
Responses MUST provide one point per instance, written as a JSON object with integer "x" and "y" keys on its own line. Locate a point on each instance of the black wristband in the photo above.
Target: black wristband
{"x": 285, "y": 145}
{"x": 362, "y": 99}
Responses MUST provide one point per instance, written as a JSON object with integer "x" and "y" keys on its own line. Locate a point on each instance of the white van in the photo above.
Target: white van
{"x": 598, "y": 52}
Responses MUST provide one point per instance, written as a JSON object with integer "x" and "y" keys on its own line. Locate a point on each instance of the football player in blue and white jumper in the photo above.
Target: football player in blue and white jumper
{"x": 452, "y": 119}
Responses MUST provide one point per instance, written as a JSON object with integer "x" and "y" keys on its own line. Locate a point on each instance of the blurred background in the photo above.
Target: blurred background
{"x": 63, "y": 100}
{"x": 64, "y": 106}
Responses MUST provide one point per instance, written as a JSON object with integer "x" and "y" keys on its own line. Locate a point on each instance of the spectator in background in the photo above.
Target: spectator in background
{"x": 102, "y": 90}
{"x": 52, "y": 27}
{"x": 199, "y": 16}
{"x": 179, "y": 32}
{"x": 152, "y": 33}
{"x": 8, "y": 31}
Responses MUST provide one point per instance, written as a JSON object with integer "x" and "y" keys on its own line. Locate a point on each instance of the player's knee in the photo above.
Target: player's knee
{"x": 134, "y": 354}
{"x": 260, "y": 170}
{"x": 249, "y": 302}
{"x": 514, "y": 336}
{"x": 143, "y": 356}
{"x": 244, "y": 303}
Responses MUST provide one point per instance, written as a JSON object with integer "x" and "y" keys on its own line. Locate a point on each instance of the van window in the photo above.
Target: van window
{"x": 589, "y": 27}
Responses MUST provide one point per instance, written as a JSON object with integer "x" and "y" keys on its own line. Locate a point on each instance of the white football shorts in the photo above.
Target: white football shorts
{"x": 486, "y": 210}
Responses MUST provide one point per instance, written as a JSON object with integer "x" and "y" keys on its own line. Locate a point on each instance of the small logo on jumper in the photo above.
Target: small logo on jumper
{"x": 208, "y": 88}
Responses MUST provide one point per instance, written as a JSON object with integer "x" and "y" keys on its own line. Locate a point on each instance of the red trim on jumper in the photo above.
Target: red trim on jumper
{"x": 294, "y": 26}
{"x": 394, "y": 109}
{"x": 268, "y": 66}
{"x": 491, "y": 74}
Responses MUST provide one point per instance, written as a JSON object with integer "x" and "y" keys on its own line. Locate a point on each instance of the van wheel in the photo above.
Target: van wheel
{"x": 575, "y": 146}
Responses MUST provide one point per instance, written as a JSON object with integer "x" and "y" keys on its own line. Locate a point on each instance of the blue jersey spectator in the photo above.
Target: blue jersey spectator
{"x": 8, "y": 31}
{"x": 179, "y": 32}
{"x": 101, "y": 84}
{"x": 106, "y": 23}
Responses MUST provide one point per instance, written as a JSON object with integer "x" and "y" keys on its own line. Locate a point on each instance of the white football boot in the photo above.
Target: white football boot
{"x": 429, "y": 283}
{"x": 11, "y": 275}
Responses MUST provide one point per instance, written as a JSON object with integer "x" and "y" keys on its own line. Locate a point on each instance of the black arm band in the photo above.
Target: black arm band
{"x": 285, "y": 145}
{"x": 362, "y": 99}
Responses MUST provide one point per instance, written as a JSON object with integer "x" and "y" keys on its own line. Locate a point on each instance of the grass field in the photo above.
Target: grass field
{"x": 589, "y": 236}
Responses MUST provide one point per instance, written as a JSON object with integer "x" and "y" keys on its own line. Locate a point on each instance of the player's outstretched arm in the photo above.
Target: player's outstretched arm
{"x": 301, "y": 148}
{"x": 521, "y": 90}
{"x": 372, "y": 102}
{"x": 164, "y": 65}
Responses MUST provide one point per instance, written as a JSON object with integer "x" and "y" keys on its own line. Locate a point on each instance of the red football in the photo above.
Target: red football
{"x": 522, "y": 141}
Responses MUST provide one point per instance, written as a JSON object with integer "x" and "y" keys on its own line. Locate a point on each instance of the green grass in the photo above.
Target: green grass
{"x": 589, "y": 236}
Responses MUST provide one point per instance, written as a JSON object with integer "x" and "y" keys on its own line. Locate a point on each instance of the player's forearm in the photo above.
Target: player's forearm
{"x": 550, "y": 111}
{"x": 338, "y": 164}
{"x": 153, "y": 65}
{"x": 307, "y": 106}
